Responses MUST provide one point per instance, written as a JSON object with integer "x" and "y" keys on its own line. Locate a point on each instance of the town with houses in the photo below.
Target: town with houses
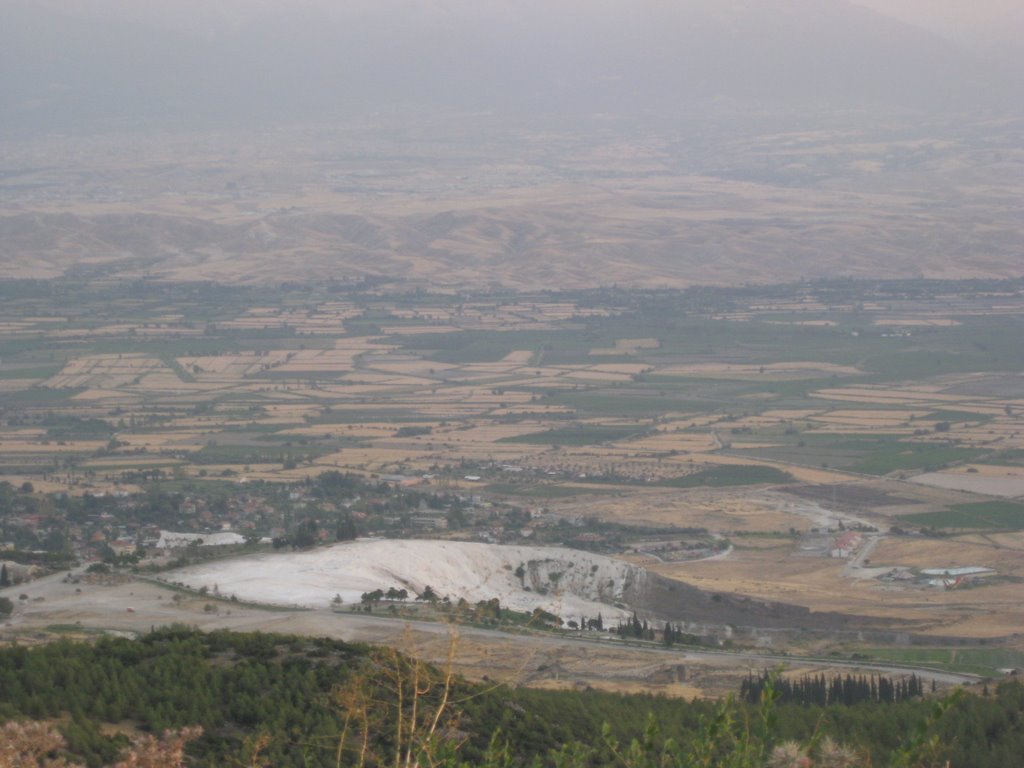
{"x": 164, "y": 529}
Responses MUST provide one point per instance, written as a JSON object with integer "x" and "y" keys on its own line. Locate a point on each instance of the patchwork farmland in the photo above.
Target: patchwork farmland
{"x": 826, "y": 461}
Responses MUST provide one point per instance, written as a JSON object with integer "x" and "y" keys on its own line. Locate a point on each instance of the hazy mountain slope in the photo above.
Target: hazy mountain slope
{"x": 991, "y": 29}
{"x": 595, "y": 239}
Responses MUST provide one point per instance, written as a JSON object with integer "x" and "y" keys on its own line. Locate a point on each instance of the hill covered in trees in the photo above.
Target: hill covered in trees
{"x": 288, "y": 701}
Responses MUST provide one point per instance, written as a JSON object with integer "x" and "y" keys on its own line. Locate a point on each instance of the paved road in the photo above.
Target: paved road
{"x": 362, "y": 622}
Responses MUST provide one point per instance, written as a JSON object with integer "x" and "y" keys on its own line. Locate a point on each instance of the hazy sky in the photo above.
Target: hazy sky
{"x": 939, "y": 14}
{"x": 68, "y": 63}
{"x": 982, "y": 23}
{"x": 991, "y": 27}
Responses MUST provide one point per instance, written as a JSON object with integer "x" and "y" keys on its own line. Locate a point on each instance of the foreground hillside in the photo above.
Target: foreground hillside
{"x": 287, "y": 701}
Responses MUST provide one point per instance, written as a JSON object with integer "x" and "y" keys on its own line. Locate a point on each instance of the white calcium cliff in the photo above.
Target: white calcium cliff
{"x": 567, "y": 582}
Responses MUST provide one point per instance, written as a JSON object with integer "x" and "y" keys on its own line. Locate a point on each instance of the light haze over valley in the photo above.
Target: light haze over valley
{"x": 582, "y": 348}
{"x": 528, "y": 144}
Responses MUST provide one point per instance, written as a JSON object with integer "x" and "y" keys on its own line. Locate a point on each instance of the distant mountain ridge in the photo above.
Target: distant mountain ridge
{"x": 656, "y": 142}
{"x": 559, "y": 246}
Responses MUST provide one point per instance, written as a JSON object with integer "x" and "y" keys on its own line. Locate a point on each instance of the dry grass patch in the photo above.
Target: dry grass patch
{"x": 233, "y": 366}
{"x": 490, "y": 369}
{"x": 601, "y": 376}
{"x": 414, "y": 367}
{"x": 581, "y": 681}
{"x": 627, "y": 368}
{"x": 814, "y": 476}
{"x": 909, "y": 396}
{"x": 547, "y": 382}
{"x": 772, "y": 574}
{"x": 681, "y": 442}
{"x": 770, "y": 372}
{"x": 318, "y": 361}
{"x": 1002, "y": 554}
{"x": 388, "y": 380}
{"x": 715, "y": 509}
{"x": 860, "y": 430}
{"x": 626, "y": 347}
{"x": 473, "y": 396}
{"x": 236, "y": 473}
{"x": 17, "y": 385}
{"x": 784, "y": 415}
{"x": 1004, "y": 624}
{"x": 47, "y": 446}
{"x": 360, "y": 344}
{"x": 24, "y": 433}
{"x": 488, "y": 434}
{"x": 368, "y": 459}
{"x": 106, "y": 396}
{"x": 818, "y": 584}
{"x": 988, "y": 470}
{"x": 1009, "y": 484}
{"x": 809, "y": 323}
{"x": 931, "y": 322}
{"x": 108, "y": 371}
{"x": 132, "y": 460}
{"x": 414, "y": 330}
{"x": 518, "y": 357}
{"x": 531, "y": 409}
{"x": 869, "y": 417}
{"x": 273, "y": 473}
{"x": 720, "y": 458}
{"x": 541, "y": 372}
{"x": 423, "y": 313}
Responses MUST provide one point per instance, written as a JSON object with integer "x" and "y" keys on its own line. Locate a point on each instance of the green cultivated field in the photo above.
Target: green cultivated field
{"x": 886, "y": 459}
{"x": 545, "y": 491}
{"x": 978, "y": 661}
{"x": 583, "y": 434}
{"x": 731, "y": 474}
{"x": 866, "y": 456}
{"x": 1001, "y": 515}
